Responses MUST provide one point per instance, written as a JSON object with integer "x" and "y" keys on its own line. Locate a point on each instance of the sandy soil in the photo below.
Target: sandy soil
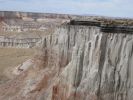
{"x": 11, "y": 57}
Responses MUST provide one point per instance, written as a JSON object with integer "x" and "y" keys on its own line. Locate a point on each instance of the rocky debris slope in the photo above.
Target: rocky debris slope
{"x": 77, "y": 63}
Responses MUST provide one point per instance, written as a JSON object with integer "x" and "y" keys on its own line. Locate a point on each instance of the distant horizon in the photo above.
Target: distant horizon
{"x": 109, "y": 8}
{"x": 66, "y": 14}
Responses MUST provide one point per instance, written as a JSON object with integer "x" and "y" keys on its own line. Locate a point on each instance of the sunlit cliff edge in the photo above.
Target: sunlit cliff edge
{"x": 80, "y": 60}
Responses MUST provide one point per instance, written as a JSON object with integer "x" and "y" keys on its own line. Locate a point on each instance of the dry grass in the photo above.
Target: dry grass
{"x": 11, "y": 57}
{"x": 117, "y": 22}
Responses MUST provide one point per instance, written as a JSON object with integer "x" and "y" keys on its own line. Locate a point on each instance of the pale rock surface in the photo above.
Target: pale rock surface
{"x": 23, "y": 67}
{"x": 77, "y": 63}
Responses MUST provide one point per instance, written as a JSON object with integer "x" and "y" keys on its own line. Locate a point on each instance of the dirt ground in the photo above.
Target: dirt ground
{"x": 11, "y": 57}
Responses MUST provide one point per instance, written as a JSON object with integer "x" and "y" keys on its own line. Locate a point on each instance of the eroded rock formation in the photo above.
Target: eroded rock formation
{"x": 77, "y": 63}
{"x": 97, "y": 66}
{"x": 18, "y": 42}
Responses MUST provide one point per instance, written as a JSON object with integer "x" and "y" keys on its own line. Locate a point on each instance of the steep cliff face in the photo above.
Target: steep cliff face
{"x": 96, "y": 65}
{"x": 77, "y": 63}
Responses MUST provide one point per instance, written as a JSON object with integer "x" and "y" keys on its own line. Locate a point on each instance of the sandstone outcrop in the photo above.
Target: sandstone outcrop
{"x": 13, "y": 21}
{"x": 77, "y": 63}
{"x": 18, "y": 42}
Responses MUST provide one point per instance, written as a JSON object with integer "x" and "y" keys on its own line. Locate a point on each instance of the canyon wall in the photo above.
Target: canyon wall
{"x": 13, "y": 21}
{"x": 18, "y": 43}
{"x": 77, "y": 63}
{"x": 17, "y": 14}
{"x": 96, "y": 65}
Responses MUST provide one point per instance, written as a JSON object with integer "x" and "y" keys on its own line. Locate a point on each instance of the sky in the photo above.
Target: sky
{"x": 113, "y": 8}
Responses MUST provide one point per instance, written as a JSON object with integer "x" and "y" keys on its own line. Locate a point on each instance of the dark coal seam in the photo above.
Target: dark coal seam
{"x": 104, "y": 28}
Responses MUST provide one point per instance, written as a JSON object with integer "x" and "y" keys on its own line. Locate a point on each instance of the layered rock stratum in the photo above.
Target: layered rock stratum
{"x": 25, "y": 29}
{"x": 76, "y": 62}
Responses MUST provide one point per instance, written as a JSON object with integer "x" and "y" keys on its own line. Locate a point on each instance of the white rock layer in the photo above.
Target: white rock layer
{"x": 80, "y": 63}
{"x": 96, "y": 65}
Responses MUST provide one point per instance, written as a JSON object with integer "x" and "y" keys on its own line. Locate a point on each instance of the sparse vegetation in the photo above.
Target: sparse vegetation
{"x": 124, "y": 22}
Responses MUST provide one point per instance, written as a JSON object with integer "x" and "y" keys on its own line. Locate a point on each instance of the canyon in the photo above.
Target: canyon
{"x": 25, "y": 29}
{"x": 81, "y": 60}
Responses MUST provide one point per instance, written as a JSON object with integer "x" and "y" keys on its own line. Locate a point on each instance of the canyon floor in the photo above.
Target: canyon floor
{"x": 11, "y": 57}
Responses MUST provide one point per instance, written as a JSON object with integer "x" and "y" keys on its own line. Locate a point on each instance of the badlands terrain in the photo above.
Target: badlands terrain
{"x": 65, "y": 57}
{"x": 19, "y": 33}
